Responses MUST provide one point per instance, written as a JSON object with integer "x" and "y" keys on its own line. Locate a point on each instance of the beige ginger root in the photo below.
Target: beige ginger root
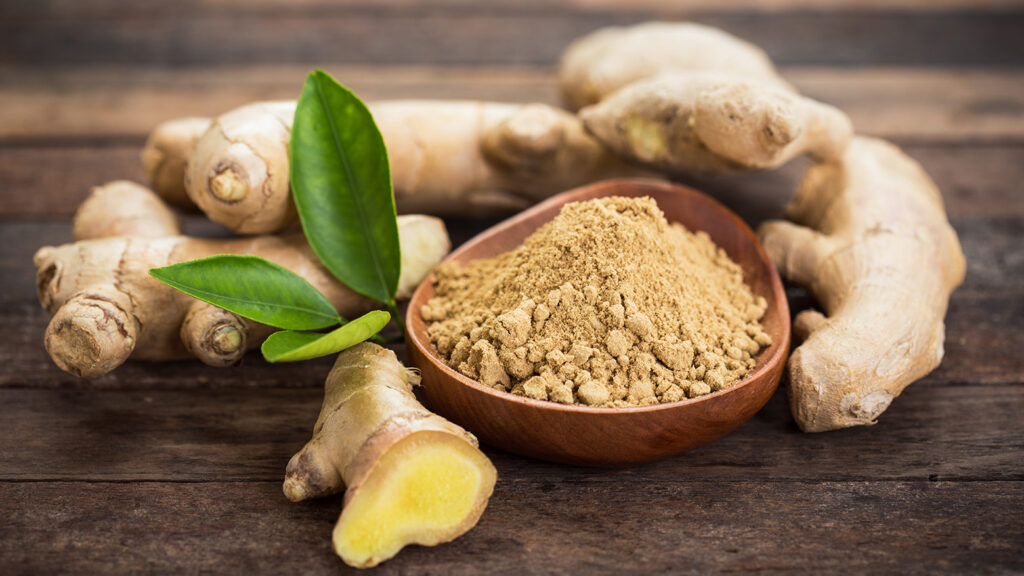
{"x": 410, "y": 476}
{"x": 872, "y": 243}
{"x": 237, "y": 173}
{"x": 123, "y": 208}
{"x": 459, "y": 158}
{"x": 165, "y": 156}
{"x": 709, "y": 123}
{"x": 604, "y": 61}
{"x": 107, "y": 308}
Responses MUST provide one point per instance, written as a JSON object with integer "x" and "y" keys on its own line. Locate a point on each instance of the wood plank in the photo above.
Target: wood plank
{"x": 977, "y": 181}
{"x": 989, "y": 230}
{"x": 983, "y": 334}
{"x": 424, "y": 35}
{"x": 531, "y": 527}
{"x": 47, "y": 183}
{"x": 979, "y": 185}
{"x": 983, "y": 344}
{"x": 177, "y": 468}
{"x": 119, "y": 102}
{"x": 964, "y": 432}
{"x": 123, "y": 103}
{"x": 658, "y": 8}
{"x": 920, "y": 104}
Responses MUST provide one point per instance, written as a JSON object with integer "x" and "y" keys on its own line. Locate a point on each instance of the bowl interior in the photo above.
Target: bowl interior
{"x": 686, "y": 206}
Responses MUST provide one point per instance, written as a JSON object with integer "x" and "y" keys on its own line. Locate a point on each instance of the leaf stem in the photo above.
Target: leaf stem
{"x": 393, "y": 308}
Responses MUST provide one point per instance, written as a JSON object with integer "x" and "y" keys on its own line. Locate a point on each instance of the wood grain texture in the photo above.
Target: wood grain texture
{"x": 97, "y": 104}
{"x": 479, "y": 34}
{"x": 977, "y": 180}
{"x": 211, "y": 434}
{"x": 177, "y": 469}
{"x": 983, "y": 344}
{"x": 656, "y": 8}
{"x": 667, "y": 527}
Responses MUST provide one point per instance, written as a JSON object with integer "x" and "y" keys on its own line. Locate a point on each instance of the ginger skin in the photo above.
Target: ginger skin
{"x": 165, "y": 156}
{"x": 872, "y": 243}
{"x": 410, "y": 476}
{"x": 237, "y": 172}
{"x": 123, "y": 208}
{"x": 711, "y": 123}
{"x": 107, "y": 308}
{"x": 458, "y": 158}
{"x": 600, "y": 63}
{"x": 213, "y": 335}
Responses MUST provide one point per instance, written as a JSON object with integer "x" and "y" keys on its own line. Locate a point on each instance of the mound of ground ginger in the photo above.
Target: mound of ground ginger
{"x": 606, "y": 305}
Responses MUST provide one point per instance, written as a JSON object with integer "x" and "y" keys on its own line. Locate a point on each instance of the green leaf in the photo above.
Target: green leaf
{"x": 288, "y": 346}
{"x": 342, "y": 187}
{"x": 253, "y": 288}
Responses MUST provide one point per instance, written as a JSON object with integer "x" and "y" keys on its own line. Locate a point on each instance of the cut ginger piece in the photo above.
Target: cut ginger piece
{"x": 428, "y": 489}
{"x": 410, "y": 476}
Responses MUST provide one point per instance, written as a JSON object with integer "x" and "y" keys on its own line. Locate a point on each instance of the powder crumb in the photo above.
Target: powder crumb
{"x": 606, "y": 305}
{"x": 616, "y": 343}
{"x": 593, "y": 393}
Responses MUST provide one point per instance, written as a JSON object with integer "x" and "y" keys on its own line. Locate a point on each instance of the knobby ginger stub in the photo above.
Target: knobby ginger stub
{"x": 606, "y": 305}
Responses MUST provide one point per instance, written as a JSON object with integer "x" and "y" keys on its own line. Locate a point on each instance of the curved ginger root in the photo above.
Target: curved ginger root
{"x": 123, "y": 208}
{"x": 237, "y": 173}
{"x": 882, "y": 260}
{"x": 165, "y": 156}
{"x": 710, "y": 123}
{"x": 602, "y": 62}
{"x": 447, "y": 158}
{"x": 412, "y": 477}
{"x": 106, "y": 307}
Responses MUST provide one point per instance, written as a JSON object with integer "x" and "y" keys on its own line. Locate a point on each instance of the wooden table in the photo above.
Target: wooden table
{"x": 177, "y": 467}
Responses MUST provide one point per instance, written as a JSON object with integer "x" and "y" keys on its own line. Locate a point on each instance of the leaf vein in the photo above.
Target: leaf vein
{"x": 377, "y": 265}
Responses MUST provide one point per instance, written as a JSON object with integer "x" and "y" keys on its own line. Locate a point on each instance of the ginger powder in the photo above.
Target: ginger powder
{"x": 606, "y": 305}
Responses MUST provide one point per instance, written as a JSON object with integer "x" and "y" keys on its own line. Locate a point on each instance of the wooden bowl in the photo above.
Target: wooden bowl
{"x": 608, "y": 436}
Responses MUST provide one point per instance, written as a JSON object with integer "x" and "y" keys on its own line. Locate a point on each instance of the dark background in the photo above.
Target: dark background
{"x": 177, "y": 467}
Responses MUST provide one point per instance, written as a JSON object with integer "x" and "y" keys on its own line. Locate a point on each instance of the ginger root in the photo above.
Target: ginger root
{"x": 412, "y": 477}
{"x": 107, "y": 308}
{"x": 165, "y": 156}
{"x": 602, "y": 62}
{"x": 874, "y": 247}
{"x": 123, "y": 208}
{"x": 237, "y": 172}
{"x": 459, "y": 158}
{"x": 711, "y": 123}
